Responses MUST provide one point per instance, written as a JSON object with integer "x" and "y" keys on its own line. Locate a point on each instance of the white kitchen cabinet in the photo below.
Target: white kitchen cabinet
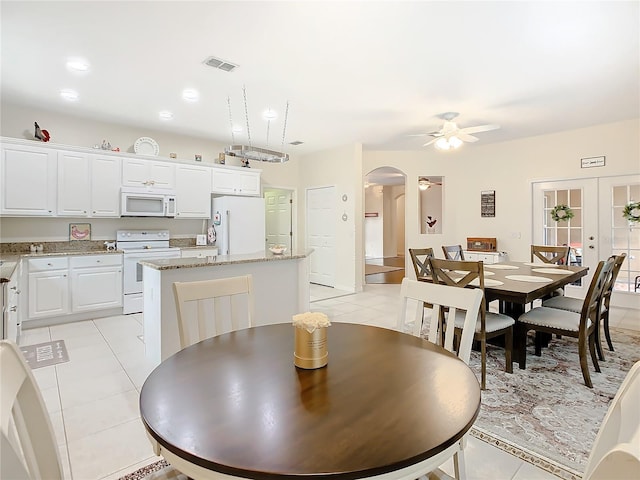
{"x": 235, "y": 182}
{"x": 48, "y": 287}
{"x": 154, "y": 175}
{"x": 96, "y": 282}
{"x": 13, "y": 305}
{"x": 74, "y": 192}
{"x": 28, "y": 179}
{"x": 193, "y": 191}
{"x": 105, "y": 186}
{"x": 487, "y": 258}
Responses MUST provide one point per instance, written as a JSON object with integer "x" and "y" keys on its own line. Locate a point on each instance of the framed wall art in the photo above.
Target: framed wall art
{"x": 79, "y": 231}
{"x": 488, "y": 203}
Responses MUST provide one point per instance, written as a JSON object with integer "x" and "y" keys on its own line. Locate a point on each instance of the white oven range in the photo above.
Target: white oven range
{"x": 139, "y": 245}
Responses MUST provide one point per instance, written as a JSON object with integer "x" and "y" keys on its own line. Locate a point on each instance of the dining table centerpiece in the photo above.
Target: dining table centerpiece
{"x": 310, "y": 350}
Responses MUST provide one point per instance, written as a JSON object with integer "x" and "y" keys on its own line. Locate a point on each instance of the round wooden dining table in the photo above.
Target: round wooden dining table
{"x": 387, "y": 403}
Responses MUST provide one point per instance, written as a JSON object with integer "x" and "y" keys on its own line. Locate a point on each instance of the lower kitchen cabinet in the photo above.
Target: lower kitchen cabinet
{"x": 61, "y": 286}
{"x": 96, "y": 282}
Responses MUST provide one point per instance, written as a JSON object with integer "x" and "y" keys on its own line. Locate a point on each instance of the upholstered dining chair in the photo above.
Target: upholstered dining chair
{"x": 616, "y": 451}
{"x": 488, "y": 325}
{"x": 575, "y": 304}
{"x": 581, "y": 325}
{"x": 453, "y": 252}
{"x": 208, "y": 308}
{"x": 444, "y": 300}
{"x": 28, "y": 443}
{"x": 420, "y": 259}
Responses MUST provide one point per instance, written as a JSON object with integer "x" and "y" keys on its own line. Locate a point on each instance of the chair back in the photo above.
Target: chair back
{"x": 441, "y": 297}
{"x": 27, "y": 440}
{"x": 616, "y": 451}
{"x": 611, "y": 281}
{"x": 211, "y": 307}
{"x": 551, "y": 254}
{"x": 453, "y": 252}
{"x": 420, "y": 258}
{"x": 593, "y": 299}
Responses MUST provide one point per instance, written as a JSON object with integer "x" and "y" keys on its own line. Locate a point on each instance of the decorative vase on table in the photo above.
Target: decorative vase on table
{"x": 310, "y": 350}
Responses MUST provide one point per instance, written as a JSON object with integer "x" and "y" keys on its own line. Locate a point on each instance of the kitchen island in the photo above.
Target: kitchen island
{"x": 280, "y": 283}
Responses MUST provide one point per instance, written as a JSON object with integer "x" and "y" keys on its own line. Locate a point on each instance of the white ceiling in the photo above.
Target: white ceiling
{"x": 368, "y": 72}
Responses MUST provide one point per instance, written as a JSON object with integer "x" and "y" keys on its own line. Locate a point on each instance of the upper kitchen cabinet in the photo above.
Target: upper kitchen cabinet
{"x": 236, "y": 182}
{"x": 105, "y": 186}
{"x": 148, "y": 173}
{"x": 193, "y": 191}
{"x": 88, "y": 185}
{"x": 28, "y": 179}
{"x": 74, "y": 194}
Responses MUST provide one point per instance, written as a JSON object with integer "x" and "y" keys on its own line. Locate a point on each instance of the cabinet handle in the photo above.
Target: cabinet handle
{"x": 49, "y": 264}
{"x": 13, "y": 288}
{"x": 14, "y": 308}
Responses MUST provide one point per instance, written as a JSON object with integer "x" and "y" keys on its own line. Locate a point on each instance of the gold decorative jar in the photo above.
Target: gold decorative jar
{"x": 310, "y": 349}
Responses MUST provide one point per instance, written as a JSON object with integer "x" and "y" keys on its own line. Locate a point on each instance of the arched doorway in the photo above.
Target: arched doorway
{"x": 384, "y": 240}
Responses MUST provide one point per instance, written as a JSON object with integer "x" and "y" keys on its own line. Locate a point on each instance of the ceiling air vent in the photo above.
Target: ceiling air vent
{"x": 297, "y": 142}
{"x": 220, "y": 64}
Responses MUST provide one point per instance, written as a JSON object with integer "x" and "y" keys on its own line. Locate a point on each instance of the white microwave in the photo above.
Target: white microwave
{"x": 142, "y": 203}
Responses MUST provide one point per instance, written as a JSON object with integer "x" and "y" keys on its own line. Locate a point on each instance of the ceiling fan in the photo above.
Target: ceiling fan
{"x": 424, "y": 183}
{"x": 451, "y": 136}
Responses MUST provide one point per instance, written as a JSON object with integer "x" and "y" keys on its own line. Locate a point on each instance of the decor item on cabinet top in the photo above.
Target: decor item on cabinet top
{"x": 146, "y": 146}
{"x": 79, "y": 231}
{"x": 42, "y": 135}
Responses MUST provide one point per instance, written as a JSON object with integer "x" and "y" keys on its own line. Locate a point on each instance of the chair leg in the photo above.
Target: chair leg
{"x": 606, "y": 331}
{"x": 592, "y": 350}
{"x": 582, "y": 353}
{"x": 538, "y": 350}
{"x": 508, "y": 349}
{"x": 459, "y": 468}
{"x": 483, "y": 362}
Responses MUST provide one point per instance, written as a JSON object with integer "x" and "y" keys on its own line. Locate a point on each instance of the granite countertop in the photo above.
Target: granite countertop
{"x": 266, "y": 256}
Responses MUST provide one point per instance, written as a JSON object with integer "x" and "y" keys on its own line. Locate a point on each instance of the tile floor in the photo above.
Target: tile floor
{"x": 93, "y": 398}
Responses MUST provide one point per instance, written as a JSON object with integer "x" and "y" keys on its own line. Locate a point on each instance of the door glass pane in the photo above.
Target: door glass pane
{"x": 625, "y": 236}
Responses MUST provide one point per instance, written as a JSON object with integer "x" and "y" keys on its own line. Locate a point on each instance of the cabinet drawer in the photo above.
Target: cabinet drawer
{"x": 112, "y": 259}
{"x": 50, "y": 263}
{"x": 199, "y": 252}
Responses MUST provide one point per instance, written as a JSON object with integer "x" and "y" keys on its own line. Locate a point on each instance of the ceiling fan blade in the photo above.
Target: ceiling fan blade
{"x": 479, "y": 128}
{"x": 417, "y": 134}
{"x": 465, "y": 137}
{"x": 429, "y": 142}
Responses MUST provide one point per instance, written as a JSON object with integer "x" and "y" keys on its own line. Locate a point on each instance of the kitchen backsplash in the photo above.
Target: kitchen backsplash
{"x": 77, "y": 246}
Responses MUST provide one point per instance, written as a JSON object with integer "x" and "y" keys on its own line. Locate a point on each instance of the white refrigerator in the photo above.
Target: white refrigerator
{"x": 239, "y": 224}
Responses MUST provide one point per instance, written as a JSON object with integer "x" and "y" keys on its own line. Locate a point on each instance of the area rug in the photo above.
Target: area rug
{"x": 373, "y": 269}
{"x": 546, "y": 409}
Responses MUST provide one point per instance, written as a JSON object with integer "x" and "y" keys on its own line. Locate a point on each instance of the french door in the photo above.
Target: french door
{"x": 597, "y": 230}
{"x": 579, "y": 232}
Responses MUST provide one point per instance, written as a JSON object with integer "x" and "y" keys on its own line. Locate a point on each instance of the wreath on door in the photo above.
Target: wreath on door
{"x": 632, "y": 212}
{"x": 561, "y": 213}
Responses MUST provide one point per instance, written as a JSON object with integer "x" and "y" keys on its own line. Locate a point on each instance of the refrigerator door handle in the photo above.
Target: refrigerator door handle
{"x": 226, "y": 232}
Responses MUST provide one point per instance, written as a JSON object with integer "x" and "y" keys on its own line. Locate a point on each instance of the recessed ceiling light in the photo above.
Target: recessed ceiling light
{"x": 165, "y": 115}
{"x": 70, "y": 95}
{"x": 236, "y": 129}
{"x": 78, "y": 65}
{"x": 190, "y": 95}
{"x": 269, "y": 115}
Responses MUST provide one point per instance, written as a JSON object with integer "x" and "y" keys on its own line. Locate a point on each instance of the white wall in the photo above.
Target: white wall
{"x": 508, "y": 168}
{"x": 342, "y": 168}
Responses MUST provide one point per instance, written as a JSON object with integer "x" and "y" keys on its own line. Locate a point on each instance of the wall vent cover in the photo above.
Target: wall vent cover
{"x": 220, "y": 64}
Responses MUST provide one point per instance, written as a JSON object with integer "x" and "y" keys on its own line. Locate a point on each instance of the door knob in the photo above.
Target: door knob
{"x": 591, "y": 237}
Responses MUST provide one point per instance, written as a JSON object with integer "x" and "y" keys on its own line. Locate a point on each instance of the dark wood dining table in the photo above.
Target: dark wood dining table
{"x": 388, "y": 404}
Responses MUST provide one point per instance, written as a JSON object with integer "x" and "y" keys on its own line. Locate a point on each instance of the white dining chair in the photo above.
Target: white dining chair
{"x": 208, "y": 308}
{"x": 615, "y": 454}
{"x": 443, "y": 301}
{"x": 28, "y": 447}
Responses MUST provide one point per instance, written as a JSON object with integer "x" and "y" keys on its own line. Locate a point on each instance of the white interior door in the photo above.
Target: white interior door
{"x": 580, "y": 232}
{"x": 278, "y": 204}
{"x": 321, "y": 234}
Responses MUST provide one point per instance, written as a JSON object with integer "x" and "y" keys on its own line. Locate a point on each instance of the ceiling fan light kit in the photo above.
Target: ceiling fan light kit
{"x": 451, "y": 137}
